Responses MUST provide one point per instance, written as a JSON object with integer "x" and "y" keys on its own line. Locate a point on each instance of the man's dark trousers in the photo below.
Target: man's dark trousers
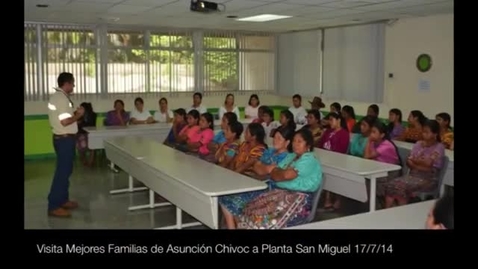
{"x": 65, "y": 156}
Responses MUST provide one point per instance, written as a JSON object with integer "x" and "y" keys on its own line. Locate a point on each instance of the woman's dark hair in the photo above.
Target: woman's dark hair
{"x": 297, "y": 96}
{"x": 209, "y": 118}
{"x": 262, "y": 108}
{"x": 370, "y": 120}
{"x": 194, "y": 113}
{"x": 343, "y": 122}
{"x": 397, "y": 112}
{"x": 256, "y": 97}
{"x": 198, "y": 94}
{"x": 229, "y": 94}
{"x": 230, "y": 116}
{"x": 290, "y": 118}
{"x": 337, "y": 106}
{"x": 181, "y": 112}
{"x": 287, "y": 134}
{"x": 236, "y": 128}
{"x": 163, "y": 99}
{"x": 445, "y": 117}
{"x": 419, "y": 115}
{"x": 256, "y": 129}
{"x": 269, "y": 112}
{"x": 443, "y": 213}
{"x": 120, "y": 102}
{"x": 383, "y": 129}
{"x": 87, "y": 106}
{"x": 138, "y": 99}
{"x": 374, "y": 108}
{"x": 434, "y": 128}
{"x": 315, "y": 113}
{"x": 307, "y": 136}
{"x": 349, "y": 110}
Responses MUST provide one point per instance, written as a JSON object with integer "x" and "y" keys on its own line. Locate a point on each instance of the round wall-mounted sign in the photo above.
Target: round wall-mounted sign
{"x": 424, "y": 63}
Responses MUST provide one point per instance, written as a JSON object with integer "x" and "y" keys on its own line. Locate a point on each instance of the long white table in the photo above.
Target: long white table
{"x": 345, "y": 175}
{"x": 186, "y": 182}
{"x": 411, "y": 216}
{"x": 96, "y": 135}
{"x": 448, "y": 180}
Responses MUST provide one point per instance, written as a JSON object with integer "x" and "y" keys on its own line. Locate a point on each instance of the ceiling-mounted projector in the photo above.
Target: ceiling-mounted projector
{"x": 204, "y": 6}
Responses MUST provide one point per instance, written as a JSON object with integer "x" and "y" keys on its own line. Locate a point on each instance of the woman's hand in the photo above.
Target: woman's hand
{"x": 270, "y": 167}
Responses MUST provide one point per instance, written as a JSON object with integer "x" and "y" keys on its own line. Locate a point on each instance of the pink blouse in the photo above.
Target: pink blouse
{"x": 204, "y": 137}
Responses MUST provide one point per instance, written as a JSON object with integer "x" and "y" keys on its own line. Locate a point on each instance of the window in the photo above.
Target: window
{"x": 107, "y": 60}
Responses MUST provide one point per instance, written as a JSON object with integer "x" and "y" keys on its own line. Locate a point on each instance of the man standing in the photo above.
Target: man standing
{"x": 63, "y": 121}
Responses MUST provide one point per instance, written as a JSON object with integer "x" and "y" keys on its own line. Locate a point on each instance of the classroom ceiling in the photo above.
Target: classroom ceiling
{"x": 306, "y": 14}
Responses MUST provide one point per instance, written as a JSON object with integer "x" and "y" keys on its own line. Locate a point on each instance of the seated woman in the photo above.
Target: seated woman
{"x": 139, "y": 115}
{"x": 260, "y": 112}
{"x": 446, "y": 134}
{"x": 395, "y": 127}
{"x": 232, "y": 205}
{"x": 228, "y": 106}
{"x": 251, "y": 111}
{"x": 359, "y": 141}
{"x": 424, "y": 162}
{"x": 228, "y": 150}
{"x": 297, "y": 177}
{"x": 189, "y": 131}
{"x": 442, "y": 214}
{"x": 88, "y": 120}
{"x": 314, "y": 125}
{"x": 220, "y": 138}
{"x": 348, "y": 113}
{"x": 286, "y": 120}
{"x": 413, "y": 132}
{"x": 334, "y": 108}
{"x": 118, "y": 116}
{"x": 268, "y": 122}
{"x": 250, "y": 150}
{"x": 199, "y": 141}
{"x": 179, "y": 122}
{"x": 336, "y": 139}
{"x": 381, "y": 149}
{"x": 163, "y": 115}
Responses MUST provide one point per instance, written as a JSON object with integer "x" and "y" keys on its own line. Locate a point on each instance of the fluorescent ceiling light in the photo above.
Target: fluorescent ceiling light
{"x": 264, "y": 18}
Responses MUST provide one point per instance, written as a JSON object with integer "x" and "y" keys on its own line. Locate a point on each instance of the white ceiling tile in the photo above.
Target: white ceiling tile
{"x": 427, "y": 9}
{"x": 332, "y": 14}
{"x": 346, "y": 4}
{"x": 51, "y": 3}
{"x": 100, "y": 1}
{"x": 86, "y": 7}
{"x": 147, "y": 3}
{"x": 236, "y": 5}
{"x": 127, "y": 9}
{"x": 397, "y": 4}
{"x": 310, "y": 2}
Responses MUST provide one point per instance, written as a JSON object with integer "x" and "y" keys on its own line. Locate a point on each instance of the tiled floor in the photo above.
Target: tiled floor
{"x": 100, "y": 210}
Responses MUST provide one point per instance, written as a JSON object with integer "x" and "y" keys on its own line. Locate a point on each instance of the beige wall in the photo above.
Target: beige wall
{"x": 405, "y": 40}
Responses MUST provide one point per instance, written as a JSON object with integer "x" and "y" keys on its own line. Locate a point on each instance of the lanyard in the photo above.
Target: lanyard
{"x": 66, "y": 95}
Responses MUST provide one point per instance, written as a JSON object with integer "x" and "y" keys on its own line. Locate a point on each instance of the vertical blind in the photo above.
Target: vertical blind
{"x": 107, "y": 60}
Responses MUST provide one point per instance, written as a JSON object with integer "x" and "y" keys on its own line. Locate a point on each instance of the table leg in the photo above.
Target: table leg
{"x": 179, "y": 222}
{"x": 112, "y": 167}
{"x": 150, "y": 205}
{"x": 129, "y": 189}
{"x": 373, "y": 193}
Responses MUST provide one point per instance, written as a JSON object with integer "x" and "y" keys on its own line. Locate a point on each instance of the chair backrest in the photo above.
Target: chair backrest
{"x": 315, "y": 202}
{"x": 404, "y": 153}
{"x": 441, "y": 176}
